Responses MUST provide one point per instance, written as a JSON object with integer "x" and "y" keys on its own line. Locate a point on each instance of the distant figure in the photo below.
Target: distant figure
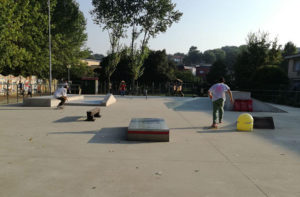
{"x": 122, "y": 88}
{"x": 177, "y": 88}
{"x": 217, "y": 94}
{"x": 20, "y": 86}
{"x": 61, "y": 94}
{"x": 29, "y": 91}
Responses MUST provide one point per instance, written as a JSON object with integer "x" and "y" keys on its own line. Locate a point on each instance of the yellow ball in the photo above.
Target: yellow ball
{"x": 245, "y": 122}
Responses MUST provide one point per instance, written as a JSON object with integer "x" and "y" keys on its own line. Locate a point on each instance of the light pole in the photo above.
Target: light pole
{"x": 68, "y": 66}
{"x": 50, "y": 66}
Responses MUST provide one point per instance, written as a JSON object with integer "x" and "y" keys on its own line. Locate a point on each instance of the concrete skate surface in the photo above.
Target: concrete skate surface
{"x": 47, "y": 152}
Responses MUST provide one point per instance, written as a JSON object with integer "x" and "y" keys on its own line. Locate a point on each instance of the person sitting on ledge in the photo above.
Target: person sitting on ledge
{"x": 61, "y": 94}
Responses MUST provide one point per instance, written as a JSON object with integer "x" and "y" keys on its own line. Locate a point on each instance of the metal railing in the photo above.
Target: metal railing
{"x": 291, "y": 98}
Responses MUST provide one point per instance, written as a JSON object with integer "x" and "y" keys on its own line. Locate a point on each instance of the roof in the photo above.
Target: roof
{"x": 292, "y": 56}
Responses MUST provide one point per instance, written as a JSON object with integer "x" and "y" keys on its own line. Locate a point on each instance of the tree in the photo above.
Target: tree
{"x": 232, "y": 53}
{"x": 114, "y": 17}
{"x": 158, "y": 68}
{"x": 23, "y": 48}
{"x": 67, "y": 42}
{"x": 289, "y": 49}
{"x": 209, "y": 57}
{"x": 219, "y": 53}
{"x": 217, "y": 70}
{"x": 257, "y": 53}
{"x": 24, "y": 37}
{"x": 193, "y": 57}
{"x": 148, "y": 18}
{"x": 186, "y": 76}
{"x": 270, "y": 77}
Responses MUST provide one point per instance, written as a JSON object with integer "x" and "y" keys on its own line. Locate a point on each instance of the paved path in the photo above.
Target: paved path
{"x": 47, "y": 152}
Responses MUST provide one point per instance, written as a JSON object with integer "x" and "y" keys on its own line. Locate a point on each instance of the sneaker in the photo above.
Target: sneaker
{"x": 60, "y": 107}
{"x": 214, "y": 126}
{"x": 220, "y": 122}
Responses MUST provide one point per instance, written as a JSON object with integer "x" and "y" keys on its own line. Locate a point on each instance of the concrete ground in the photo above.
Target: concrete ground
{"x": 48, "y": 152}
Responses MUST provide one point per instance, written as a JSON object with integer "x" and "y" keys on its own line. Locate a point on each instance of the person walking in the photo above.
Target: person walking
{"x": 61, "y": 94}
{"x": 122, "y": 88}
{"x": 218, "y": 97}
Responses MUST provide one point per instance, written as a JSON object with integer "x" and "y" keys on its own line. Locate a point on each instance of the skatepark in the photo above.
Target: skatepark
{"x": 49, "y": 152}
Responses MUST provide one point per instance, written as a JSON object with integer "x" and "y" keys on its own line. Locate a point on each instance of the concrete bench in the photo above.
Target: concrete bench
{"x": 148, "y": 129}
{"x": 95, "y": 112}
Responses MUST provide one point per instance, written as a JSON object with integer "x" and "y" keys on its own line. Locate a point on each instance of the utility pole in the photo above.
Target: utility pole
{"x": 50, "y": 63}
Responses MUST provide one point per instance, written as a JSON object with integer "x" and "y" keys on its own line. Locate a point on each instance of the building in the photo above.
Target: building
{"x": 92, "y": 63}
{"x": 294, "y": 70}
{"x": 202, "y": 70}
{"x": 177, "y": 59}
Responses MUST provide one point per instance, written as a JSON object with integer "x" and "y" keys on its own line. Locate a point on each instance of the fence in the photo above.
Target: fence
{"x": 291, "y": 98}
{"x": 11, "y": 93}
{"x": 161, "y": 89}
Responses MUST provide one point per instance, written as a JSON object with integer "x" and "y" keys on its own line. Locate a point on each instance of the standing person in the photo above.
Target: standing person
{"x": 217, "y": 94}
{"x": 21, "y": 88}
{"x": 122, "y": 88}
{"x": 29, "y": 91}
{"x": 61, "y": 94}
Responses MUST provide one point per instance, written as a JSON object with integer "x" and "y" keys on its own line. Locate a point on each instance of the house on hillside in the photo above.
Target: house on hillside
{"x": 202, "y": 70}
{"x": 92, "y": 63}
{"x": 294, "y": 70}
{"x": 177, "y": 59}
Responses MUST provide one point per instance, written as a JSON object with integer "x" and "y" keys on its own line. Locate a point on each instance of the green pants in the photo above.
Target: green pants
{"x": 218, "y": 107}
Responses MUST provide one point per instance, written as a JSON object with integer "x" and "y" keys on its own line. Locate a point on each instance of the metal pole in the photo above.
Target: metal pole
{"x": 7, "y": 92}
{"x": 50, "y": 66}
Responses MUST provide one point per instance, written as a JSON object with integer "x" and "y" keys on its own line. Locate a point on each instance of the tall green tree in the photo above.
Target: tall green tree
{"x": 148, "y": 19}
{"x": 270, "y": 77}
{"x": 68, "y": 37}
{"x": 24, "y": 37}
{"x": 209, "y": 57}
{"x": 217, "y": 70}
{"x": 114, "y": 17}
{"x": 23, "y": 48}
{"x": 158, "y": 68}
{"x": 193, "y": 57}
{"x": 289, "y": 49}
{"x": 259, "y": 51}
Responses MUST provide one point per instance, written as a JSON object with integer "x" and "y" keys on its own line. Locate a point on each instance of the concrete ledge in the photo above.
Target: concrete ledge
{"x": 47, "y": 101}
{"x": 148, "y": 129}
{"x": 236, "y": 95}
{"x": 109, "y": 99}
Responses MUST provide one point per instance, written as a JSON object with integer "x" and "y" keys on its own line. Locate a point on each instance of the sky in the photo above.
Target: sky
{"x": 211, "y": 24}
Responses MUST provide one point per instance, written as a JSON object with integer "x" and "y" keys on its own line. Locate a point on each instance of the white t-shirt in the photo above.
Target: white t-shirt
{"x": 60, "y": 92}
{"x": 218, "y": 91}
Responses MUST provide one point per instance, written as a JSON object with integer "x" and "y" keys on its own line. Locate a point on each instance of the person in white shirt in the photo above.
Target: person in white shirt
{"x": 218, "y": 97}
{"x": 61, "y": 94}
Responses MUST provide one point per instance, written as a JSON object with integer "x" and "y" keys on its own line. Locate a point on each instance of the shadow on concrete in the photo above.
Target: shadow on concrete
{"x": 186, "y": 128}
{"x": 71, "y": 119}
{"x": 211, "y": 130}
{"x": 192, "y": 104}
{"x": 111, "y": 135}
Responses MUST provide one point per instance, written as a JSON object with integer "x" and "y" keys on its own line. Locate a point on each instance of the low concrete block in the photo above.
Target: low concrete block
{"x": 47, "y": 101}
{"x": 148, "y": 129}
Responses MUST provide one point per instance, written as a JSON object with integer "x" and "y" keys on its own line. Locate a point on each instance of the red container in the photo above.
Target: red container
{"x": 244, "y": 105}
{"x": 250, "y": 105}
{"x": 237, "y": 105}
